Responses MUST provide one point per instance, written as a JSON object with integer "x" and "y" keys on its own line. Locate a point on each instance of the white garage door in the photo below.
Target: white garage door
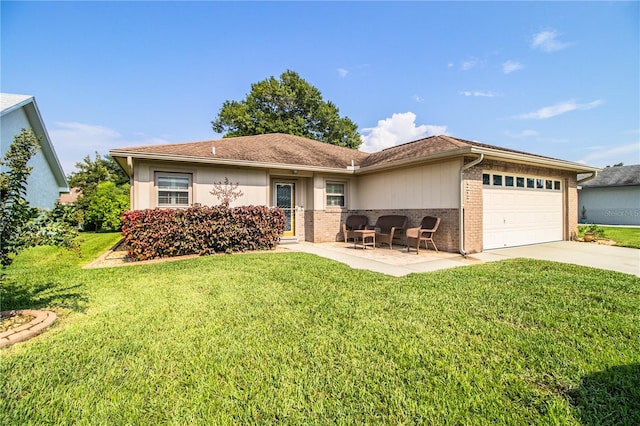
{"x": 515, "y": 216}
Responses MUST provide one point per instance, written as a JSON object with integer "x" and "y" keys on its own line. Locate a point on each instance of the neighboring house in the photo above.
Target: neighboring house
{"x": 47, "y": 180}
{"x": 486, "y": 196}
{"x": 612, "y": 197}
{"x": 70, "y": 197}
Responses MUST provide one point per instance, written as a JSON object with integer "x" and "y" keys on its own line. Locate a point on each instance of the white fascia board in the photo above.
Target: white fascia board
{"x": 534, "y": 159}
{"x": 33, "y": 114}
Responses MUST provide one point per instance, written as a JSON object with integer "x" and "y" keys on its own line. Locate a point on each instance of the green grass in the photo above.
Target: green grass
{"x": 292, "y": 338}
{"x": 625, "y": 237}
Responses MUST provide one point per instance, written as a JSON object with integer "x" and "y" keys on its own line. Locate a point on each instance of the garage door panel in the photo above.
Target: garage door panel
{"x": 513, "y": 217}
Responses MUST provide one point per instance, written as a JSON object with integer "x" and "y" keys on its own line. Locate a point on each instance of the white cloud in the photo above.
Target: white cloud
{"x": 342, "y": 72}
{"x": 511, "y": 66}
{"x": 398, "y": 129}
{"x": 557, "y": 109}
{"x": 450, "y": 65}
{"x": 488, "y": 94}
{"x": 547, "y": 41}
{"x": 74, "y": 141}
{"x": 606, "y": 155}
{"x": 470, "y": 64}
{"x": 523, "y": 134}
{"x": 418, "y": 98}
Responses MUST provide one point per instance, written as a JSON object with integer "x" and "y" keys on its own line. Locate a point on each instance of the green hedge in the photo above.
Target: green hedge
{"x": 155, "y": 233}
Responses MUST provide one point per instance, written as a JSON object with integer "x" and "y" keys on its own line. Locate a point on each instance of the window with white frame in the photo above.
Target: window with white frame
{"x": 174, "y": 189}
{"x": 335, "y": 194}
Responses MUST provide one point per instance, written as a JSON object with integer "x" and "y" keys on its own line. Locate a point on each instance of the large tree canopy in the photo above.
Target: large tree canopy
{"x": 289, "y": 105}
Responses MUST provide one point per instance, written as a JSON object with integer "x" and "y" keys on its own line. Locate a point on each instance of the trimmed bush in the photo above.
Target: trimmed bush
{"x": 155, "y": 233}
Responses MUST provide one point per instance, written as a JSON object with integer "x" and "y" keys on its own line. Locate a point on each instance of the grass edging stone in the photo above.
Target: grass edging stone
{"x": 42, "y": 320}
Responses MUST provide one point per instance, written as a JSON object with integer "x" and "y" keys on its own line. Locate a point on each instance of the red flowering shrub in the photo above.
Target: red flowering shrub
{"x": 154, "y": 233}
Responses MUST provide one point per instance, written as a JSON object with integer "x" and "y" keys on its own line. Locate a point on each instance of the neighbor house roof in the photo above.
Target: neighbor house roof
{"x": 10, "y": 102}
{"x": 70, "y": 197}
{"x": 615, "y": 176}
{"x": 289, "y": 151}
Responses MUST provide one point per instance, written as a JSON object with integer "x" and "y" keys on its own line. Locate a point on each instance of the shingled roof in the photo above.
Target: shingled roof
{"x": 275, "y": 148}
{"x": 616, "y": 176}
{"x": 282, "y": 150}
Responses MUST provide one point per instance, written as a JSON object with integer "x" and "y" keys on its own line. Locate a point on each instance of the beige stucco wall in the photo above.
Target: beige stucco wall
{"x": 429, "y": 186}
{"x": 254, "y": 184}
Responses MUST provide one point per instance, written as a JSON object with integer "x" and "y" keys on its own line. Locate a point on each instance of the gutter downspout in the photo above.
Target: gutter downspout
{"x": 461, "y": 209}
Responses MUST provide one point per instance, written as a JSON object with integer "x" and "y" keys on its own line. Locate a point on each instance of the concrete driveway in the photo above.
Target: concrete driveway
{"x": 398, "y": 262}
{"x": 620, "y": 259}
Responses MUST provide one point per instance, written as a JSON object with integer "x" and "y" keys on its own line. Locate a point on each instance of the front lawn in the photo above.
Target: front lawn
{"x": 624, "y": 237}
{"x": 292, "y": 338}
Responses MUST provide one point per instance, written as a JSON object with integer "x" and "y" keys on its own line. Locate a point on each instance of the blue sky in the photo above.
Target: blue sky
{"x": 552, "y": 78}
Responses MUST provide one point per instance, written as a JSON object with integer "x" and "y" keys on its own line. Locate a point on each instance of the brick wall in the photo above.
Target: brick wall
{"x": 326, "y": 225}
{"x": 571, "y": 206}
{"x": 300, "y": 223}
{"x": 472, "y": 220}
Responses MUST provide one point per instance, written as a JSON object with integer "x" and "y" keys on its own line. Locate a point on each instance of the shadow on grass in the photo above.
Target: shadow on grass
{"x": 609, "y": 397}
{"x": 42, "y": 296}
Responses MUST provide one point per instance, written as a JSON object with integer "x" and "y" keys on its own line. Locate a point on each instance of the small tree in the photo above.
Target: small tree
{"x": 89, "y": 175}
{"x": 15, "y": 212}
{"x": 226, "y": 191}
{"x": 106, "y": 205}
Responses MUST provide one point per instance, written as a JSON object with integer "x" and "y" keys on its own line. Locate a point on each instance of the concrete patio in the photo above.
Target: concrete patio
{"x": 398, "y": 262}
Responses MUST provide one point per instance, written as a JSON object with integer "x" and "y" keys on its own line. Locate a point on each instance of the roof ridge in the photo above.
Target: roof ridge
{"x": 457, "y": 141}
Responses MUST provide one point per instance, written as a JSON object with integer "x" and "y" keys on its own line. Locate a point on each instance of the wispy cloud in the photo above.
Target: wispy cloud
{"x": 74, "y": 141}
{"x": 399, "y": 128}
{"x": 342, "y": 72}
{"x": 607, "y": 155}
{"x": 488, "y": 94}
{"x": 418, "y": 98}
{"x": 523, "y": 134}
{"x": 547, "y": 41}
{"x": 558, "y": 109}
{"x": 470, "y": 64}
{"x": 511, "y": 66}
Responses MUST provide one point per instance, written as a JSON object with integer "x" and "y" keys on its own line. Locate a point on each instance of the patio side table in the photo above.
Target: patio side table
{"x": 367, "y": 238}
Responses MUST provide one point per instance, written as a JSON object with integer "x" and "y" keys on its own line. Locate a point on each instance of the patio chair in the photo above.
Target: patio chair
{"x": 353, "y": 223}
{"x": 389, "y": 227}
{"x": 428, "y": 227}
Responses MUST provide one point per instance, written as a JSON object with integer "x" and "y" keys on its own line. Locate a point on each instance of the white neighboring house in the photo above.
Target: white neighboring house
{"x": 47, "y": 180}
{"x": 612, "y": 197}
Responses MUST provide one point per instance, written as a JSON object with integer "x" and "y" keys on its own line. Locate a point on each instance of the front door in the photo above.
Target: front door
{"x": 285, "y": 199}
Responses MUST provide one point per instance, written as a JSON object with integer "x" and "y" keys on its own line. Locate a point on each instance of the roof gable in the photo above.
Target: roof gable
{"x": 11, "y": 102}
